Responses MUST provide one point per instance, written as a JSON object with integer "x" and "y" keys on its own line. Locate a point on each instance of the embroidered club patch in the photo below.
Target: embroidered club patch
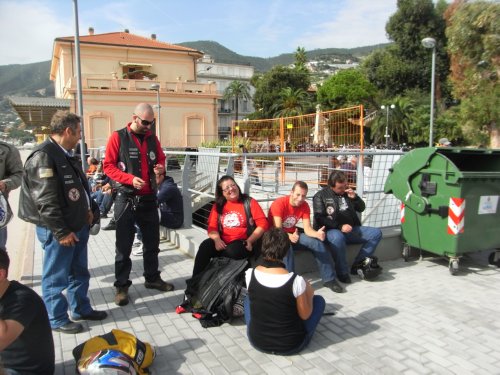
{"x": 121, "y": 166}
{"x": 45, "y": 172}
{"x": 330, "y": 210}
{"x": 152, "y": 155}
{"x": 74, "y": 194}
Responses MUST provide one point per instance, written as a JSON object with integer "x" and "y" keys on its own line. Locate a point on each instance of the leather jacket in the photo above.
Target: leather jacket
{"x": 11, "y": 167}
{"x": 53, "y": 190}
{"x": 326, "y": 207}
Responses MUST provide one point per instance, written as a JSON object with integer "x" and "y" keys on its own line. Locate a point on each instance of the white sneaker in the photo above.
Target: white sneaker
{"x": 138, "y": 251}
{"x": 137, "y": 242}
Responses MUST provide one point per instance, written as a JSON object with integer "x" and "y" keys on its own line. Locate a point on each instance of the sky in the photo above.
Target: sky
{"x": 262, "y": 28}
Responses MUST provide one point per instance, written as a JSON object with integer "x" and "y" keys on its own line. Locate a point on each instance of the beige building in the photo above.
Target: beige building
{"x": 120, "y": 70}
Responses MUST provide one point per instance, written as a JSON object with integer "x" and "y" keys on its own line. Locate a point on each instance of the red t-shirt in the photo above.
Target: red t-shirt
{"x": 234, "y": 221}
{"x": 290, "y": 215}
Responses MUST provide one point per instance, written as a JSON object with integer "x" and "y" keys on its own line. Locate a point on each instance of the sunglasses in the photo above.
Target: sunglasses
{"x": 229, "y": 187}
{"x": 145, "y": 122}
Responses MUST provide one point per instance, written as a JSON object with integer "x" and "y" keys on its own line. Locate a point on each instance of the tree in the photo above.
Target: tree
{"x": 269, "y": 85}
{"x": 473, "y": 45}
{"x": 400, "y": 120}
{"x": 237, "y": 90}
{"x": 407, "y": 64}
{"x": 346, "y": 88}
{"x": 291, "y": 103}
{"x": 300, "y": 59}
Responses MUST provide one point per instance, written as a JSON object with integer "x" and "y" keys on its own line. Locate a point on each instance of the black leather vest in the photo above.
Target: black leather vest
{"x": 130, "y": 156}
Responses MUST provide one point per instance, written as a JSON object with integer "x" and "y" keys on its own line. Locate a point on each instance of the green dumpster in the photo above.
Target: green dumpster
{"x": 449, "y": 200}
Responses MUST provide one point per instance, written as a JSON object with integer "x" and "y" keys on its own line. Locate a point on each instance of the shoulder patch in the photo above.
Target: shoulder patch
{"x": 46, "y": 172}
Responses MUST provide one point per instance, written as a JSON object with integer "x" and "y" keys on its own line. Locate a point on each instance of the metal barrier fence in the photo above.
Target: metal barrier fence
{"x": 260, "y": 175}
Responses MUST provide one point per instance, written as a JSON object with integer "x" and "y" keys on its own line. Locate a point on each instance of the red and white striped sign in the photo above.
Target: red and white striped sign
{"x": 456, "y": 213}
{"x": 402, "y": 210}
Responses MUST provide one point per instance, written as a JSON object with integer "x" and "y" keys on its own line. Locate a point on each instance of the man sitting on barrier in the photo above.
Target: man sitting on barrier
{"x": 285, "y": 212}
{"x": 335, "y": 207}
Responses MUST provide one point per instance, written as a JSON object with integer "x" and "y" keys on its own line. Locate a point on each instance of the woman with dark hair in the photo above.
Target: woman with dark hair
{"x": 229, "y": 227}
{"x": 281, "y": 310}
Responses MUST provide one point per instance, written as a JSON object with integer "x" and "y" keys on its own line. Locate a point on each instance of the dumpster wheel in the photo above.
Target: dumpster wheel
{"x": 453, "y": 266}
{"x": 494, "y": 258}
{"x": 406, "y": 252}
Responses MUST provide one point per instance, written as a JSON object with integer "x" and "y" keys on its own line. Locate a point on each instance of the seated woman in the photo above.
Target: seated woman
{"x": 227, "y": 226}
{"x": 281, "y": 310}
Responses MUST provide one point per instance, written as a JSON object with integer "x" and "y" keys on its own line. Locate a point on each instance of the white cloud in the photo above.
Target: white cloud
{"x": 28, "y": 30}
{"x": 358, "y": 23}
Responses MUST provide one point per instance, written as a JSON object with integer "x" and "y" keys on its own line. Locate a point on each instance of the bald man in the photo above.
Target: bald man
{"x": 133, "y": 159}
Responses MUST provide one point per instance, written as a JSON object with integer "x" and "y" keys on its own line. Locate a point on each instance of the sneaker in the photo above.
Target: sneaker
{"x": 121, "y": 296}
{"x": 138, "y": 251}
{"x": 137, "y": 242}
{"x": 335, "y": 286}
{"x": 111, "y": 225}
{"x": 160, "y": 285}
{"x": 346, "y": 279}
{"x": 69, "y": 327}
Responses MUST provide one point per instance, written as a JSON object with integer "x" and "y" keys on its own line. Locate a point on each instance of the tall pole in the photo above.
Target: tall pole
{"x": 387, "y": 129}
{"x": 433, "y": 76}
{"x": 83, "y": 149}
{"x": 431, "y": 43}
{"x": 156, "y": 86}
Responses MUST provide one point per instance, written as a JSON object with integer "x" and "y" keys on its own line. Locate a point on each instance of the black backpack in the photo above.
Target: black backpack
{"x": 211, "y": 294}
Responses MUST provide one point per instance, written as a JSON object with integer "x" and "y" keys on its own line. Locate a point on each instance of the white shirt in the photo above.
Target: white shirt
{"x": 272, "y": 280}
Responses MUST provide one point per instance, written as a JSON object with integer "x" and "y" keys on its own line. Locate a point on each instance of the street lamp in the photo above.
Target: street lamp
{"x": 387, "y": 136}
{"x": 431, "y": 43}
{"x": 156, "y": 87}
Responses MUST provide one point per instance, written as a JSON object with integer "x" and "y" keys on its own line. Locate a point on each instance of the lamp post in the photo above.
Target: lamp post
{"x": 387, "y": 136}
{"x": 431, "y": 43}
{"x": 156, "y": 87}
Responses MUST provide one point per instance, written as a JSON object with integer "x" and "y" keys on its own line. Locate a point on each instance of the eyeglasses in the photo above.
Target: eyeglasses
{"x": 145, "y": 122}
{"x": 228, "y": 188}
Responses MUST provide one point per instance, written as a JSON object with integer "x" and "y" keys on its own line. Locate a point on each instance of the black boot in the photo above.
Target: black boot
{"x": 111, "y": 225}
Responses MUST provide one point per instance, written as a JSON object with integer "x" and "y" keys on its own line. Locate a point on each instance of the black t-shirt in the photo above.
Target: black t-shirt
{"x": 33, "y": 350}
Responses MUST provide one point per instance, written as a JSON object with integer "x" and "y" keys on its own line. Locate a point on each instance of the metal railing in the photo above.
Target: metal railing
{"x": 262, "y": 176}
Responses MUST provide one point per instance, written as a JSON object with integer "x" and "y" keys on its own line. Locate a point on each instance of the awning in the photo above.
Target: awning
{"x": 127, "y": 63}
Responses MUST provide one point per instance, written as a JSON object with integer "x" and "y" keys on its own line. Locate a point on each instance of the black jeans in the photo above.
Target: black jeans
{"x": 207, "y": 251}
{"x": 145, "y": 214}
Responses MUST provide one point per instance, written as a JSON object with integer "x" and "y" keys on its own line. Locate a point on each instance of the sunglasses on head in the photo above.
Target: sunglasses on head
{"x": 145, "y": 122}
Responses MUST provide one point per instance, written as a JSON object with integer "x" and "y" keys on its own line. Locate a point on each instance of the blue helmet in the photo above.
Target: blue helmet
{"x": 107, "y": 361}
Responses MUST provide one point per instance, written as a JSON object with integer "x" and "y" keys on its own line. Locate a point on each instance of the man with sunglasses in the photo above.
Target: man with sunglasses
{"x": 133, "y": 159}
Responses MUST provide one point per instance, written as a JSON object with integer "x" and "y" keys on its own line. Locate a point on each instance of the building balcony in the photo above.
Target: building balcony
{"x": 90, "y": 83}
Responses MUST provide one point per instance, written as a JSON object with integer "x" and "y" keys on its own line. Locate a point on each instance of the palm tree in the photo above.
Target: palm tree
{"x": 237, "y": 90}
{"x": 400, "y": 119}
{"x": 291, "y": 103}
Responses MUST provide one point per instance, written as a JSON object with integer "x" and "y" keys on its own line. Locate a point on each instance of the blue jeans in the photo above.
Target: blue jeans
{"x": 320, "y": 252}
{"x": 368, "y": 236}
{"x": 3, "y": 238}
{"x": 64, "y": 268}
{"x": 310, "y": 324}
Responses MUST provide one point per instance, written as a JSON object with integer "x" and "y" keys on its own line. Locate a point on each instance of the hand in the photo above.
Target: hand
{"x": 320, "y": 234}
{"x": 350, "y": 193}
{"x": 159, "y": 169}
{"x": 219, "y": 244}
{"x": 248, "y": 245}
{"x": 138, "y": 183}
{"x": 346, "y": 228}
{"x": 3, "y": 186}
{"x": 69, "y": 240}
{"x": 90, "y": 217}
{"x": 294, "y": 237}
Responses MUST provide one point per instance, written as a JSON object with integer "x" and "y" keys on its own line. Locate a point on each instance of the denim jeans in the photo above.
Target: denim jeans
{"x": 3, "y": 238}
{"x": 310, "y": 323}
{"x": 368, "y": 236}
{"x": 64, "y": 268}
{"x": 145, "y": 215}
{"x": 321, "y": 254}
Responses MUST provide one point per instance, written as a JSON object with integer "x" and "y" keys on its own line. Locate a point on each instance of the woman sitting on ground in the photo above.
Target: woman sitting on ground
{"x": 281, "y": 310}
{"x": 227, "y": 226}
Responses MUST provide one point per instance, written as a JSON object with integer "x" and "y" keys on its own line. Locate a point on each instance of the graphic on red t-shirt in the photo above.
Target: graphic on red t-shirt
{"x": 232, "y": 219}
{"x": 289, "y": 222}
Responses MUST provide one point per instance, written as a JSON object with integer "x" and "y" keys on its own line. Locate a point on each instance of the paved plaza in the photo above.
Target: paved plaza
{"x": 416, "y": 319}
